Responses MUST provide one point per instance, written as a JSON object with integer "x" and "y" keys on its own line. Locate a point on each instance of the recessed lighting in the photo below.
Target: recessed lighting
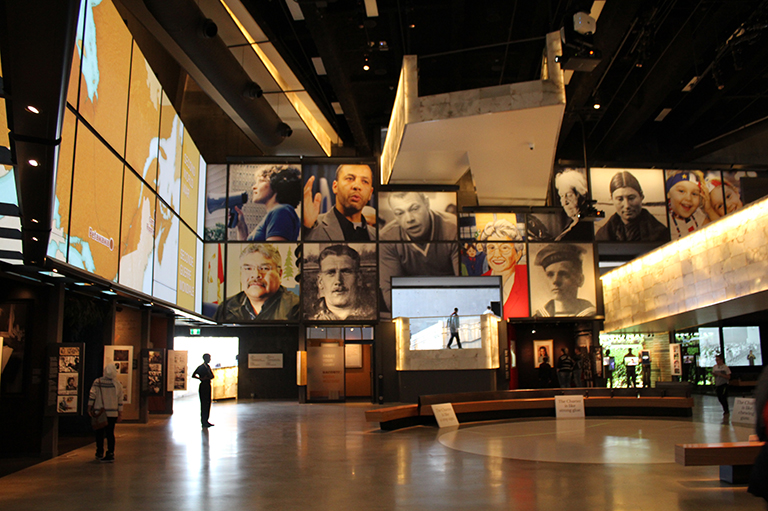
{"x": 34, "y": 163}
{"x": 32, "y": 109}
{"x": 366, "y": 67}
{"x": 596, "y": 106}
{"x": 34, "y": 238}
{"x": 34, "y": 221}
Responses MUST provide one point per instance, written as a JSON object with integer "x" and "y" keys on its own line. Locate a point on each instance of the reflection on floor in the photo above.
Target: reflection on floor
{"x": 636, "y": 441}
{"x": 286, "y": 456}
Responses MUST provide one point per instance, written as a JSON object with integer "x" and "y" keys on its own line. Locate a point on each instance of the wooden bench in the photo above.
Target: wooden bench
{"x": 394, "y": 417}
{"x": 734, "y": 458}
{"x": 494, "y": 405}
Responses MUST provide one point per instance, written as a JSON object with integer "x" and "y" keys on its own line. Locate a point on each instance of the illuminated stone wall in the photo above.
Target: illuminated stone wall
{"x": 724, "y": 260}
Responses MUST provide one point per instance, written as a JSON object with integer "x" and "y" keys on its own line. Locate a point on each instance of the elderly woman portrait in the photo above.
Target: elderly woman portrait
{"x": 503, "y": 259}
{"x": 631, "y": 221}
{"x": 279, "y": 189}
{"x": 686, "y": 196}
{"x": 573, "y": 192}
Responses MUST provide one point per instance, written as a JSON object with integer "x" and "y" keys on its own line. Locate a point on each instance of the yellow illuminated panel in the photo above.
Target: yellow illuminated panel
{"x": 141, "y": 144}
{"x": 95, "y": 222}
{"x": 187, "y": 268}
{"x": 190, "y": 173}
{"x": 137, "y": 234}
{"x": 57, "y": 245}
{"x": 170, "y": 156}
{"x": 106, "y": 64}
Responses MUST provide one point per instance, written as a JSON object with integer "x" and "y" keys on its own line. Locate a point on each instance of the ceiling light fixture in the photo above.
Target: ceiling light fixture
{"x": 34, "y": 163}
{"x": 32, "y": 109}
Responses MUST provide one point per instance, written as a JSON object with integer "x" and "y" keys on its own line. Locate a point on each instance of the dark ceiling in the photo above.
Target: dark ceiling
{"x": 651, "y": 50}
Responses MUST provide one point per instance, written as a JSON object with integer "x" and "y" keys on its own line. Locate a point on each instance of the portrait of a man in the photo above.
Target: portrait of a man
{"x": 340, "y": 284}
{"x": 418, "y": 216}
{"x": 560, "y": 285}
{"x": 347, "y": 218}
{"x": 262, "y": 295}
{"x": 633, "y": 203}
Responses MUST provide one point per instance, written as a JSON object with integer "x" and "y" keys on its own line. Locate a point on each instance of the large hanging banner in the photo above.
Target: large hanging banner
{"x": 122, "y": 357}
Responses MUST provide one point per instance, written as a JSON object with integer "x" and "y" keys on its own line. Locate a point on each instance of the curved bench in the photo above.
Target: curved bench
{"x": 493, "y": 405}
{"x": 734, "y": 458}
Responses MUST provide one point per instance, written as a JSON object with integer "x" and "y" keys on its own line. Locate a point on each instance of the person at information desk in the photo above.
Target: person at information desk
{"x": 722, "y": 375}
{"x": 631, "y": 221}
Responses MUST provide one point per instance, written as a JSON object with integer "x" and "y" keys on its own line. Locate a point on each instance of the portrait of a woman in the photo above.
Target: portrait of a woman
{"x": 631, "y": 221}
{"x": 279, "y": 189}
{"x": 573, "y": 192}
{"x": 503, "y": 257}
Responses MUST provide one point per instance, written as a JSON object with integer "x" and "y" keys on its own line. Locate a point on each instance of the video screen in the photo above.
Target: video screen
{"x": 742, "y": 346}
{"x": 709, "y": 346}
{"x": 190, "y": 175}
{"x": 57, "y": 244}
{"x": 166, "y": 253}
{"x": 96, "y": 191}
{"x": 138, "y": 234}
{"x": 142, "y": 141}
{"x": 170, "y": 156}
{"x": 105, "y": 71}
{"x": 429, "y": 301}
{"x": 187, "y": 270}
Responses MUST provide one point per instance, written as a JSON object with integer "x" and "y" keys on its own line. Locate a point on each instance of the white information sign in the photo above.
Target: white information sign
{"x": 744, "y": 411}
{"x": 569, "y": 407}
{"x": 445, "y": 415}
{"x": 265, "y": 360}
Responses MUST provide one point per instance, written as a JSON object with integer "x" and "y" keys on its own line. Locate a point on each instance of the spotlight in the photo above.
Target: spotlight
{"x": 32, "y": 109}
{"x": 34, "y": 163}
{"x": 596, "y": 105}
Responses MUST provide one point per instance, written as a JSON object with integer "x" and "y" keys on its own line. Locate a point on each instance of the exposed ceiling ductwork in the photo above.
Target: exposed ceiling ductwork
{"x": 197, "y": 37}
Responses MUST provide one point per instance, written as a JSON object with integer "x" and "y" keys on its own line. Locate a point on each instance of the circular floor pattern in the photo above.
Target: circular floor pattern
{"x": 592, "y": 440}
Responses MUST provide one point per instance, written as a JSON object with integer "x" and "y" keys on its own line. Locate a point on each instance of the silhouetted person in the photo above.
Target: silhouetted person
{"x": 204, "y": 373}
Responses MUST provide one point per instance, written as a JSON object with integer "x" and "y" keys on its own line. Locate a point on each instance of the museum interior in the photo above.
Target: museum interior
{"x": 325, "y": 195}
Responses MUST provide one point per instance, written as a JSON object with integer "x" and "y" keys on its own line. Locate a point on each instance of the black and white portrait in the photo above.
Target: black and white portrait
{"x": 339, "y": 281}
{"x": 562, "y": 279}
{"x": 417, "y": 216}
{"x": 634, "y": 204}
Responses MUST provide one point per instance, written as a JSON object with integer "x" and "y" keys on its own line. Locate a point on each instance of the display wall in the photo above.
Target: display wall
{"x": 129, "y": 181}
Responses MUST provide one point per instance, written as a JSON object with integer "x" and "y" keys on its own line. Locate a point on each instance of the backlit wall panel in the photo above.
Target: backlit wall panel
{"x": 106, "y": 65}
{"x": 95, "y": 221}
{"x": 142, "y": 137}
{"x": 138, "y": 235}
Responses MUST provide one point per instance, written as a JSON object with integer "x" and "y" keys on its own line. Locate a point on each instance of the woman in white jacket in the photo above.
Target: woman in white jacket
{"x": 106, "y": 397}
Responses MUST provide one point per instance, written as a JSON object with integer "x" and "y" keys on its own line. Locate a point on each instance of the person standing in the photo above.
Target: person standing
{"x": 564, "y": 368}
{"x": 453, "y": 326}
{"x": 204, "y": 373}
{"x": 751, "y": 359}
{"x": 609, "y": 365}
{"x": 722, "y": 374}
{"x": 545, "y": 373}
{"x": 106, "y": 397}
{"x": 630, "y": 364}
{"x": 578, "y": 367}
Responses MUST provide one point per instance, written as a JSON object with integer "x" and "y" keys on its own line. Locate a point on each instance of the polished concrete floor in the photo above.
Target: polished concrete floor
{"x": 286, "y": 456}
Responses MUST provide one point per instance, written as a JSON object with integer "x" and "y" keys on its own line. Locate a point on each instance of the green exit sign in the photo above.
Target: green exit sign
{"x": 194, "y": 331}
